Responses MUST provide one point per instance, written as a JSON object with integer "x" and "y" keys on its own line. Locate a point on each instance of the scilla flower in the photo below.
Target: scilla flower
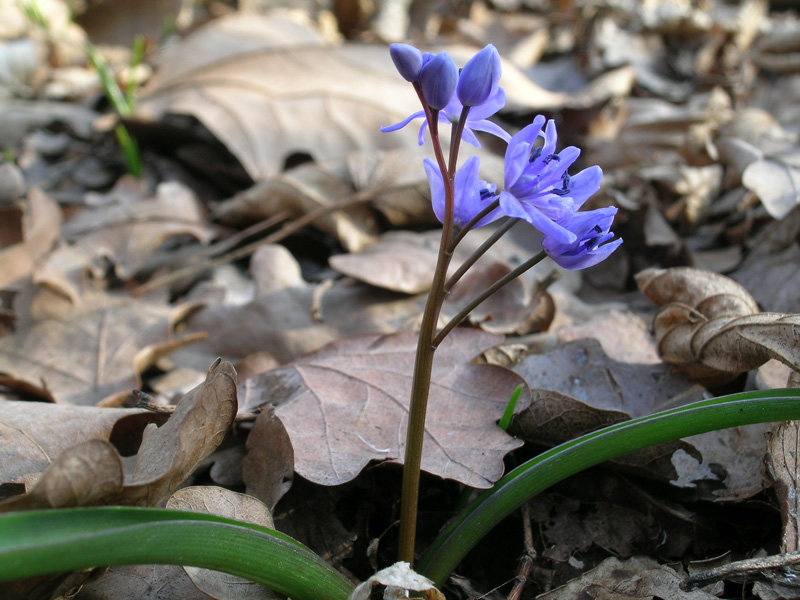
{"x": 438, "y": 79}
{"x": 472, "y": 195}
{"x": 593, "y": 242}
{"x": 477, "y": 118}
{"x": 407, "y": 59}
{"x": 479, "y": 77}
{"x": 538, "y": 188}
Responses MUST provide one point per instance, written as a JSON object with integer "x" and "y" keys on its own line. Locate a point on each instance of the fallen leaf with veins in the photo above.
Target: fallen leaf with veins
{"x": 347, "y": 405}
{"x": 225, "y": 503}
{"x": 125, "y": 227}
{"x": 88, "y": 353}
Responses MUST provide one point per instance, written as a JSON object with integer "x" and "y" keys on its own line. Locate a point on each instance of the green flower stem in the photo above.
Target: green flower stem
{"x": 547, "y": 469}
{"x": 508, "y": 278}
{"x": 423, "y": 363}
{"x": 49, "y": 541}
{"x": 475, "y": 256}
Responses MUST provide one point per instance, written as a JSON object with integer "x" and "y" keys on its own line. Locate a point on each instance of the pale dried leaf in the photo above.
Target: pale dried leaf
{"x": 776, "y": 182}
{"x": 399, "y": 580}
{"x": 347, "y": 404}
{"x": 40, "y": 231}
{"x": 279, "y": 89}
{"x": 93, "y": 351}
{"x": 225, "y": 503}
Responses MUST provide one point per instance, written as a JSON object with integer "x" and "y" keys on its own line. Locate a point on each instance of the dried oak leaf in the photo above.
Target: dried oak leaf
{"x": 347, "y": 405}
{"x": 125, "y": 227}
{"x": 268, "y": 96}
{"x": 709, "y": 326}
{"x": 88, "y": 353}
{"x": 225, "y": 503}
{"x": 268, "y": 467}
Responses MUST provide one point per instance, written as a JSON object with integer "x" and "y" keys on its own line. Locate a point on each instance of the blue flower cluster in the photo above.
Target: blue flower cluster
{"x": 537, "y": 186}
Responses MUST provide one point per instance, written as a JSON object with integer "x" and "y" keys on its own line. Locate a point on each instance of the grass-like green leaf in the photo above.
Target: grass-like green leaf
{"x": 47, "y": 541}
{"x": 539, "y": 473}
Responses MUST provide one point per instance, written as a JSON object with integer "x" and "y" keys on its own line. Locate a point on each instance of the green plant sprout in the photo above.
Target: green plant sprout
{"x": 121, "y": 102}
{"x": 537, "y": 189}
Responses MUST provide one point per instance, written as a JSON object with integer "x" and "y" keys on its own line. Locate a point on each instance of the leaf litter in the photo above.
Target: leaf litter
{"x": 252, "y": 122}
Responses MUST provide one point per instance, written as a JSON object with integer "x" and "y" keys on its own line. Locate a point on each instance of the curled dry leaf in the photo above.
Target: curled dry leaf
{"x": 347, "y": 405}
{"x": 225, "y": 503}
{"x": 781, "y": 464}
{"x": 170, "y": 453}
{"x": 709, "y": 326}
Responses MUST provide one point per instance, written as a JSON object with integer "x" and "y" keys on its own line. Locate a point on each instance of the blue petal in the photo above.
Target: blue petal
{"x": 403, "y": 123}
{"x": 437, "y": 188}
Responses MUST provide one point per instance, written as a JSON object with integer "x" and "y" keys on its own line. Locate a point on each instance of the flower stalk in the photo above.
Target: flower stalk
{"x": 538, "y": 189}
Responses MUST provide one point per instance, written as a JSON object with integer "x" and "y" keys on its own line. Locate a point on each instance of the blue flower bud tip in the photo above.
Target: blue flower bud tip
{"x": 438, "y": 80}
{"x": 407, "y": 59}
{"x": 479, "y": 77}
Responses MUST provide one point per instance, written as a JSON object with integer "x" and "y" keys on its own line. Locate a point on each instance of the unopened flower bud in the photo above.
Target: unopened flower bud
{"x": 407, "y": 59}
{"x": 438, "y": 80}
{"x": 479, "y": 77}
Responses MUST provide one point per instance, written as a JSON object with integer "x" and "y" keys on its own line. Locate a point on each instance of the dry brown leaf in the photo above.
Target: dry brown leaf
{"x": 87, "y": 353}
{"x": 302, "y": 190}
{"x": 290, "y": 317}
{"x": 319, "y": 100}
{"x": 776, "y": 181}
{"x": 268, "y": 467}
{"x": 40, "y": 229}
{"x": 634, "y": 578}
{"x": 34, "y": 434}
{"x": 225, "y": 503}
{"x": 347, "y": 405}
{"x": 168, "y": 454}
{"x": 710, "y": 327}
{"x": 397, "y": 581}
{"x": 577, "y": 388}
{"x": 125, "y": 227}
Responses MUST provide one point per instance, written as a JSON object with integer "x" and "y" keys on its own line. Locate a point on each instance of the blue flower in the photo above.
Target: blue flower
{"x": 592, "y": 242}
{"x": 407, "y": 59}
{"x": 538, "y": 188}
{"x": 438, "y": 79}
{"x": 472, "y": 195}
{"x": 479, "y": 77}
{"x": 477, "y": 119}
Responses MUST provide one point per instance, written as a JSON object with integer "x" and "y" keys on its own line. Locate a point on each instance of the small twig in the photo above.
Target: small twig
{"x": 247, "y": 250}
{"x": 146, "y": 401}
{"x": 741, "y": 568}
{"x": 526, "y": 562}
